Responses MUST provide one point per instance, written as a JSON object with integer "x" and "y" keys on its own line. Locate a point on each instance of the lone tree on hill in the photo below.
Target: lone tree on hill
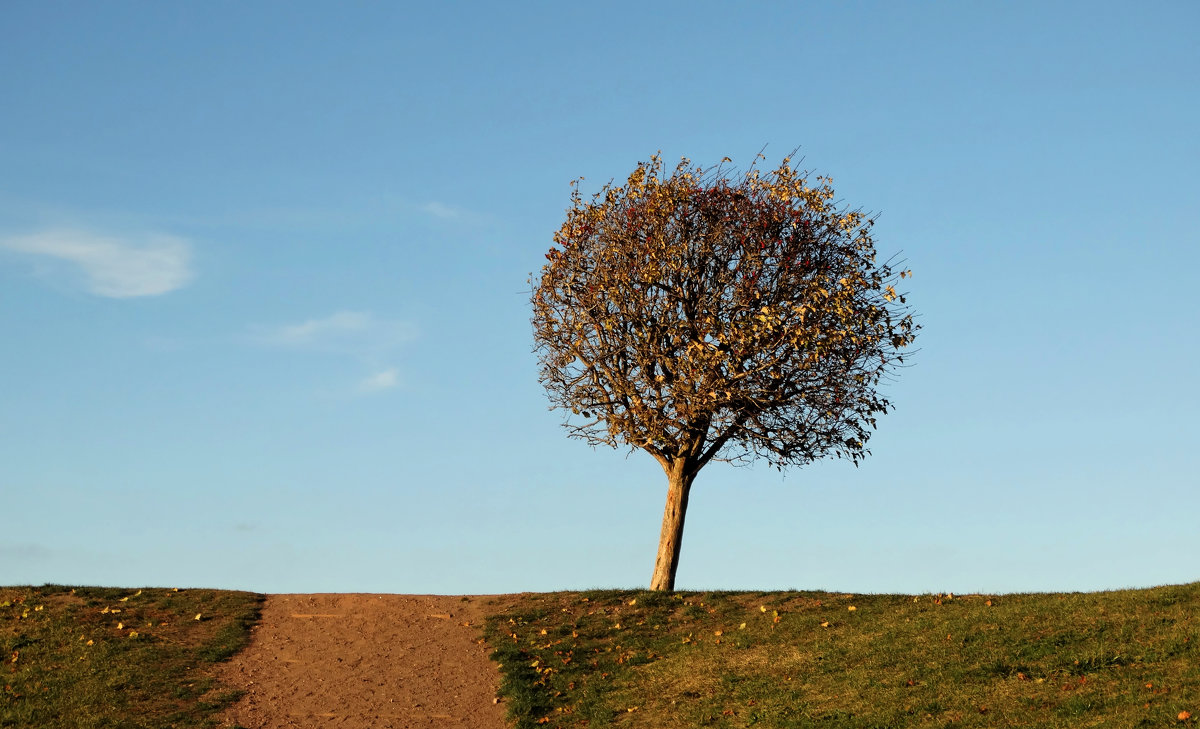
{"x": 704, "y": 318}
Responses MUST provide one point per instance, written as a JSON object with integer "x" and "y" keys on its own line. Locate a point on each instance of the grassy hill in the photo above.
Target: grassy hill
{"x": 77, "y": 658}
{"x": 1123, "y": 659}
{"x": 102, "y": 657}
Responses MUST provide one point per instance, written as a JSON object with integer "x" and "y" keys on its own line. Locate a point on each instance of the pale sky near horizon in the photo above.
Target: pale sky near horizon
{"x": 265, "y": 322}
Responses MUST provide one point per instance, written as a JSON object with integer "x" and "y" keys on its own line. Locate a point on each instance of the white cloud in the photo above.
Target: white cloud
{"x": 380, "y": 381}
{"x": 149, "y": 264}
{"x": 357, "y": 335}
{"x": 350, "y": 332}
{"x": 315, "y": 331}
{"x": 441, "y": 210}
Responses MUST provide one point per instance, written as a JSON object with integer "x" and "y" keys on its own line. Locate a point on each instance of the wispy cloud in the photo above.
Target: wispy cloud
{"x": 359, "y": 335}
{"x": 441, "y": 210}
{"x": 350, "y": 332}
{"x": 316, "y": 331}
{"x": 148, "y": 264}
{"x": 384, "y": 380}
{"x": 26, "y": 552}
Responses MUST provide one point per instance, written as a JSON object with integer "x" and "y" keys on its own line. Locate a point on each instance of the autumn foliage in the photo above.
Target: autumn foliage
{"x": 701, "y": 316}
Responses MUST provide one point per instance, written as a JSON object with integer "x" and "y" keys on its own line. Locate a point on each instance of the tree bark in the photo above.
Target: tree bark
{"x": 679, "y": 483}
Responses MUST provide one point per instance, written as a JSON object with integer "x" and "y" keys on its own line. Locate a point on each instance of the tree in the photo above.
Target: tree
{"x": 703, "y": 317}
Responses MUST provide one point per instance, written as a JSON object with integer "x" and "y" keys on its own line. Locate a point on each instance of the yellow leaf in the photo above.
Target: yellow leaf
{"x": 851, "y": 608}
{"x": 120, "y": 626}
{"x": 197, "y": 616}
{"x": 825, "y": 624}
{"x": 91, "y": 642}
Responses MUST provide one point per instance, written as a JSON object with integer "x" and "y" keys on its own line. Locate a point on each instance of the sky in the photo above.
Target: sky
{"x": 265, "y": 272}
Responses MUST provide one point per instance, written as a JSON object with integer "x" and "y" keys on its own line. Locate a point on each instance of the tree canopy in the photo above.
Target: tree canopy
{"x": 704, "y": 316}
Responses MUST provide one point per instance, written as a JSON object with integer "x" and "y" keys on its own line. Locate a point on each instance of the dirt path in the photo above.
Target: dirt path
{"x": 367, "y": 662}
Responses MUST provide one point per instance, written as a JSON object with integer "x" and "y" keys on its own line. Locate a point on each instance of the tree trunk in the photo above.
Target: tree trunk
{"x": 671, "y": 538}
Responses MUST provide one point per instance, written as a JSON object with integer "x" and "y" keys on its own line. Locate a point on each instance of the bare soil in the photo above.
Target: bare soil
{"x": 369, "y": 662}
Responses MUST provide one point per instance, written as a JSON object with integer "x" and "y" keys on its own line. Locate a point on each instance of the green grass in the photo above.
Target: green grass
{"x": 70, "y": 658}
{"x": 89, "y": 657}
{"x": 805, "y": 659}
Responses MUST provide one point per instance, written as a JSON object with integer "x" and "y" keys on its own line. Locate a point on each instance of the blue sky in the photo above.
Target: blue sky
{"x": 263, "y": 275}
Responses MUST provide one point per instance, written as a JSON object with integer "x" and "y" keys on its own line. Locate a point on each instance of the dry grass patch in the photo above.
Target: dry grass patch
{"x": 628, "y": 658}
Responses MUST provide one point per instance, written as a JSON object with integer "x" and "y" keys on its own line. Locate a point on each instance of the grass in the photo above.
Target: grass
{"x": 807, "y": 659}
{"x": 102, "y": 657}
{"x": 83, "y": 658}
